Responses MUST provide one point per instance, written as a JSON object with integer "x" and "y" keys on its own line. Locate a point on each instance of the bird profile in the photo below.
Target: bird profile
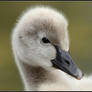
{"x": 40, "y": 45}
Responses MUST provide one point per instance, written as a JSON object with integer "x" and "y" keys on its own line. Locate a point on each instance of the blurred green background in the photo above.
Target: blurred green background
{"x": 79, "y": 15}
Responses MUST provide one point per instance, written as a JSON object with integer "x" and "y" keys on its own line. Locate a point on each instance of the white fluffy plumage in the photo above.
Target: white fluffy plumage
{"x": 33, "y": 57}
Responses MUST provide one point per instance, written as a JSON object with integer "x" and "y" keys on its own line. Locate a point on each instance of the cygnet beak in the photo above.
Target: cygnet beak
{"x": 64, "y": 62}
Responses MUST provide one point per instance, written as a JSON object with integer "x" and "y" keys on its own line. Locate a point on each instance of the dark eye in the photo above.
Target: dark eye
{"x": 45, "y": 40}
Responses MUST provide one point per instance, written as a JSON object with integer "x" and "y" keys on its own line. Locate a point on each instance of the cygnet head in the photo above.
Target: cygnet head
{"x": 40, "y": 39}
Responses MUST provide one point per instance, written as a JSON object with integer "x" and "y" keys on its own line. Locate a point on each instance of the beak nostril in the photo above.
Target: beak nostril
{"x": 67, "y": 62}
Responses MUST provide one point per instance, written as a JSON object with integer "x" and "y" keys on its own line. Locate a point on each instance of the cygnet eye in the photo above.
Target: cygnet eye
{"x": 45, "y": 40}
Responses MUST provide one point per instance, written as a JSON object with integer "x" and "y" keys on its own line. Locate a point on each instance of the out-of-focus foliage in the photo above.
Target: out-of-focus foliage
{"x": 79, "y": 15}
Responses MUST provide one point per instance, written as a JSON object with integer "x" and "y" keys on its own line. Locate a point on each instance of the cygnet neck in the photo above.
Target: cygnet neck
{"x": 33, "y": 77}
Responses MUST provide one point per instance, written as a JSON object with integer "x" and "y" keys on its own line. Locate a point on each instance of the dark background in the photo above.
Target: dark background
{"x": 79, "y": 15}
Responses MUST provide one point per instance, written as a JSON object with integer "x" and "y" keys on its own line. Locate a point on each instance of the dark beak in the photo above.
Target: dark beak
{"x": 64, "y": 62}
